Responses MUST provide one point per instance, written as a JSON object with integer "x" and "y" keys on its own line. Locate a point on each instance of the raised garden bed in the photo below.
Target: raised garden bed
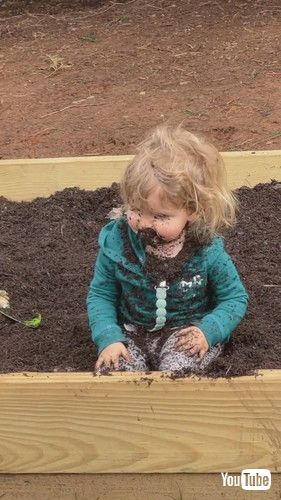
{"x": 78, "y": 422}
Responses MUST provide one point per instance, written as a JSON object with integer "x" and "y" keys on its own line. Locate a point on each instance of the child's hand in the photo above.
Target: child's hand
{"x": 111, "y": 354}
{"x": 193, "y": 341}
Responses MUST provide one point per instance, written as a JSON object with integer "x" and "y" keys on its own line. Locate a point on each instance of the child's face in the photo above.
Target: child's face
{"x": 167, "y": 220}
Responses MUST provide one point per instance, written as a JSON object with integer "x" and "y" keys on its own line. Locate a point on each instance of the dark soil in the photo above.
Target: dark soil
{"x": 47, "y": 251}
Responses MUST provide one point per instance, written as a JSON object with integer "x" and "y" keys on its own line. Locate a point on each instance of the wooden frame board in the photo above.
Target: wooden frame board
{"x": 24, "y": 180}
{"x": 134, "y": 423}
{"x": 77, "y": 422}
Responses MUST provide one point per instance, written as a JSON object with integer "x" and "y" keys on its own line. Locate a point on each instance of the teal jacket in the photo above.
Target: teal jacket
{"x": 208, "y": 294}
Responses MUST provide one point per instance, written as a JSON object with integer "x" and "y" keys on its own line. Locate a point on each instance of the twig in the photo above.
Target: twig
{"x": 256, "y": 141}
{"x": 271, "y": 286}
{"x": 228, "y": 369}
{"x": 99, "y": 11}
{"x": 11, "y": 17}
{"x": 33, "y": 323}
{"x": 67, "y": 107}
{"x": 96, "y": 13}
{"x": 10, "y": 317}
{"x": 154, "y": 6}
{"x": 29, "y": 14}
{"x": 124, "y": 3}
{"x": 268, "y": 10}
{"x": 42, "y": 132}
{"x": 244, "y": 142}
{"x": 205, "y": 4}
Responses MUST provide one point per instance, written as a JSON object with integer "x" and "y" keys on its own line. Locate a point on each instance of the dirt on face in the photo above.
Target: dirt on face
{"x": 170, "y": 267}
{"x": 150, "y": 237}
{"x": 48, "y": 248}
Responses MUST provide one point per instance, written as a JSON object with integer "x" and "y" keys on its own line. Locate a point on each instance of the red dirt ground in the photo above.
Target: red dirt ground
{"x": 213, "y": 64}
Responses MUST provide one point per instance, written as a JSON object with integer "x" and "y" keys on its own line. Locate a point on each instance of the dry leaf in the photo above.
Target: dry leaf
{"x": 4, "y": 299}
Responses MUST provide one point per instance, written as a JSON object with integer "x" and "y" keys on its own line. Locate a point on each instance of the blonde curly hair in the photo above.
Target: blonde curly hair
{"x": 190, "y": 172}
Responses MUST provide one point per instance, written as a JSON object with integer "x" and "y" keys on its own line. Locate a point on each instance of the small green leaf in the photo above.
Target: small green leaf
{"x": 89, "y": 37}
{"x": 34, "y": 322}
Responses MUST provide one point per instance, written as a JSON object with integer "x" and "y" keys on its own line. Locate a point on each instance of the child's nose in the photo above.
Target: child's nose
{"x": 145, "y": 222}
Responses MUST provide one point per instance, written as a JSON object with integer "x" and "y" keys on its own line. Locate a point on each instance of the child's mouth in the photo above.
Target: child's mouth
{"x": 150, "y": 237}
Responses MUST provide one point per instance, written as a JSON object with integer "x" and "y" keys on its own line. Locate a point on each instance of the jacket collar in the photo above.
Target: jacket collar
{"x": 112, "y": 244}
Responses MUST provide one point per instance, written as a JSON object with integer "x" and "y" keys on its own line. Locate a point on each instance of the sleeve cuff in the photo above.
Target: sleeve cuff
{"x": 108, "y": 336}
{"x": 211, "y": 329}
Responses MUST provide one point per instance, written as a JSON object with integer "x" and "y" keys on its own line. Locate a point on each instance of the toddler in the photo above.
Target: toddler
{"x": 165, "y": 294}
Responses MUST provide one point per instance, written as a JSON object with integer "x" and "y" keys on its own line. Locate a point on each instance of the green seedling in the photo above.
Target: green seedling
{"x": 30, "y": 323}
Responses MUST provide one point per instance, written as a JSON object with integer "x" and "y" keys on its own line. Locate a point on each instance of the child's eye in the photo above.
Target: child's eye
{"x": 161, "y": 216}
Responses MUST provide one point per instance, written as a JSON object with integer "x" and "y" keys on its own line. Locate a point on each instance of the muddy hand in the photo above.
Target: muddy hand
{"x": 111, "y": 354}
{"x": 192, "y": 341}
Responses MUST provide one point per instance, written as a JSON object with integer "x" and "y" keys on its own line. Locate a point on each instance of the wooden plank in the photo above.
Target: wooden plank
{"x": 132, "y": 423}
{"x": 24, "y": 180}
{"x": 27, "y": 179}
{"x": 122, "y": 486}
{"x": 56, "y": 422}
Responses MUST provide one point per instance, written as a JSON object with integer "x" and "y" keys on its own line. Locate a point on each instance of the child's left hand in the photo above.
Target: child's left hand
{"x": 193, "y": 341}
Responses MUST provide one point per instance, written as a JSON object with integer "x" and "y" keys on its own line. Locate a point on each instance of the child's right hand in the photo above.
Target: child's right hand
{"x": 111, "y": 354}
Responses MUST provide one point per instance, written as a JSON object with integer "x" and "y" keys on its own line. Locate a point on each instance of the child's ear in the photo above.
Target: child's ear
{"x": 192, "y": 215}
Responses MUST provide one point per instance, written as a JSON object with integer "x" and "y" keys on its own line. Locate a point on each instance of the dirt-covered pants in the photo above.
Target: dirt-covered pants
{"x": 157, "y": 351}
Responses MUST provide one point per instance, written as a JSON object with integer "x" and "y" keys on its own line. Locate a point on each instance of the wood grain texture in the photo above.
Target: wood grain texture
{"x": 24, "y": 180}
{"x": 127, "y": 486}
{"x": 138, "y": 423}
{"x": 134, "y": 423}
